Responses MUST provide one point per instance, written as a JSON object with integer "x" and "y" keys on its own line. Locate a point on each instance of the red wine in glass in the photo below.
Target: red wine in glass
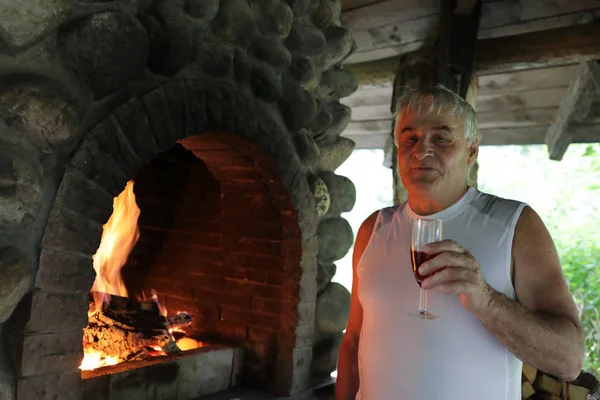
{"x": 422, "y": 232}
{"x": 418, "y": 258}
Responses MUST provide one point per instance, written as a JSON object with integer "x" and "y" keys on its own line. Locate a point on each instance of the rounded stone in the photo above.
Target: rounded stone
{"x": 325, "y": 273}
{"x": 39, "y": 110}
{"x": 171, "y": 39}
{"x": 298, "y": 106}
{"x": 15, "y": 281}
{"x": 339, "y": 44}
{"x": 332, "y": 310}
{"x": 281, "y": 17}
{"x": 298, "y": 6}
{"x": 319, "y": 191}
{"x": 270, "y": 51}
{"x": 340, "y": 118}
{"x": 322, "y": 120}
{"x": 306, "y": 147}
{"x": 275, "y": 17}
{"x": 325, "y": 355}
{"x": 265, "y": 83}
{"x": 215, "y": 59}
{"x": 21, "y": 180}
{"x": 242, "y": 65}
{"x": 326, "y": 13}
{"x": 234, "y": 22}
{"x": 202, "y": 9}
{"x": 305, "y": 39}
{"x": 336, "y": 83}
{"x": 333, "y": 154}
{"x": 302, "y": 69}
{"x": 335, "y": 238}
{"x": 108, "y": 50}
{"x": 342, "y": 192}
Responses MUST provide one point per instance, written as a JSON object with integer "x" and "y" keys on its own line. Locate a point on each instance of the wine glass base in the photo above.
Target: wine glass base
{"x": 423, "y": 315}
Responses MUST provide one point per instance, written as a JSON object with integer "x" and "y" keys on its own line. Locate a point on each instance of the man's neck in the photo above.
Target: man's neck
{"x": 427, "y": 204}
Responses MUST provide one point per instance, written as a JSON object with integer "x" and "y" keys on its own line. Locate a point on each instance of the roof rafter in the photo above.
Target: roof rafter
{"x": 574, "y": 109}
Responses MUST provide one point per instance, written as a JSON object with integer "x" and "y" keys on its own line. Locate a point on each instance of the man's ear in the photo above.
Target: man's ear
{"x": 473, "y": 151}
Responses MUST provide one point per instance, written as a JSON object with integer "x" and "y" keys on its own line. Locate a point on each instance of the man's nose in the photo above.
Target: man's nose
{"x": 423, "y": 149}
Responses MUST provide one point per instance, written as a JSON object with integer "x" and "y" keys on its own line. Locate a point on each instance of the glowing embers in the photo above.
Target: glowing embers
{"x": 119, "y": 328}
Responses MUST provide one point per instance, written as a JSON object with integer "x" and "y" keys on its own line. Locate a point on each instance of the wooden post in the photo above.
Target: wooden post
{"x": 415, "y": 70}
{"x": 418, "y": 70}
{"x": 471, "y": 99}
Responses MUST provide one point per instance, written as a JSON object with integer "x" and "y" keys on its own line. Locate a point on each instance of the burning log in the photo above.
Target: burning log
{"x": 126, "y": 329}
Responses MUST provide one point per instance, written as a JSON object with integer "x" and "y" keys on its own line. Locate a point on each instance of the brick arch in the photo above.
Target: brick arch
{"x": 117, "y": 144}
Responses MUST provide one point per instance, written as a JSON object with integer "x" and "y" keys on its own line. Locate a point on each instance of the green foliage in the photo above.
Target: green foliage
{"x": 581, "y": 266}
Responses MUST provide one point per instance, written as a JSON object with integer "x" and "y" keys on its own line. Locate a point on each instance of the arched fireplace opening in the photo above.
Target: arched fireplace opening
{"x": 216, "y": 241}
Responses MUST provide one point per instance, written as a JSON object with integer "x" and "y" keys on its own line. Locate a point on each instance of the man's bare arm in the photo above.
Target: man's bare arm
{"x": 542, "y": 328}
{"x": 347, "y": 374}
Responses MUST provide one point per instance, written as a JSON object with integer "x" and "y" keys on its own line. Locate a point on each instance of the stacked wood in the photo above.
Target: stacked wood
{"x": 538, "y": 385}
{"x": 128, "y": 329}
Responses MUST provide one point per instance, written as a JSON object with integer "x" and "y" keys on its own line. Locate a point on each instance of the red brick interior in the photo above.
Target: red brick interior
{"x": 220, "y": 240}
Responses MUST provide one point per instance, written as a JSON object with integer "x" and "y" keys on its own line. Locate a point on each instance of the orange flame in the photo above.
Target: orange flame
{"x": 93, "y": 359}
{"x": 119, "y": 236}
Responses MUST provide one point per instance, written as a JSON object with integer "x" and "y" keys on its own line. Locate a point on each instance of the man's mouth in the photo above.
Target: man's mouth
{"x": 423, "y": 168}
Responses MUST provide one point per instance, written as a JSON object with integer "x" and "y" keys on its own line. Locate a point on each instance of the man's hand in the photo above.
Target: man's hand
{"x": 456, "y": 271}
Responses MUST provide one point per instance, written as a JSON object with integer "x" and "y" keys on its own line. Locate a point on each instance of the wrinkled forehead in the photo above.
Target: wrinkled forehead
{"x": 428, "y": 120}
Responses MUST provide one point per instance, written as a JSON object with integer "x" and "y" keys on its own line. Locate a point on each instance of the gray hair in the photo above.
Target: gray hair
{"x": 439, "y": 100}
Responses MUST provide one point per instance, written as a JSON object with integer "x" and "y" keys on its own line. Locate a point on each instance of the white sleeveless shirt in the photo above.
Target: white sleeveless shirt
{"x": 454, "y": 357}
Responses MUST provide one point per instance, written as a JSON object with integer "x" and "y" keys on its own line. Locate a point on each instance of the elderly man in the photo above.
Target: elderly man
{"x": 497, "y": 284}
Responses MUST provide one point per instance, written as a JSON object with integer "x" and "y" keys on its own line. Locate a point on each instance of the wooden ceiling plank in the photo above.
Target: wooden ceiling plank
{"x": 522, "y": 80}
{"x": 492, "y": 137}
{"x": 387, "y": 13}
{"x": 556, "y": 46}
{"x": 589, "y": 133}
{"x": 486, "y": 103}
{"x": 552, "y": 48}
{"x": 504, "y": 83}
{"x": 538, "y": 98}
{"x": 574, "y": 109}
{"x": 382, "y": 31}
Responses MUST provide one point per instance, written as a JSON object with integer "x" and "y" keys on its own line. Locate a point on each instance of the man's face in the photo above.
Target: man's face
{"x": 433, "y": 154}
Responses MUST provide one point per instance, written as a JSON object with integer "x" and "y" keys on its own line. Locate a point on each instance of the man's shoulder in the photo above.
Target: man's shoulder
{"x": 499, "y": 208}
{"x": 379, "y": 217}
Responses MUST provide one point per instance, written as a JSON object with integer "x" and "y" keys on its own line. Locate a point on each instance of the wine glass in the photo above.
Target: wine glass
{"x": 422, "y": 232}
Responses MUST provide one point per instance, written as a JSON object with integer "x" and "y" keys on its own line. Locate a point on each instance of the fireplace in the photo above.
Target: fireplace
{"x": 223, "y": 117}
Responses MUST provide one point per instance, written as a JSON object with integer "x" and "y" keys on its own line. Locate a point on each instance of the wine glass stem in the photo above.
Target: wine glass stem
{"x": 422, "y": 301}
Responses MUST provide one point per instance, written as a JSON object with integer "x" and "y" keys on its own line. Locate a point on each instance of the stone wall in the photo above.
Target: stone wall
{"x": 90, "y": 91}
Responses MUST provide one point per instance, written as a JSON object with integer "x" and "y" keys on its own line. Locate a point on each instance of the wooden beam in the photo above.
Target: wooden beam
{"x": 352, "y": 4}
{"x": 387, "y": 12}
{"x": 586, "y": 133}
{"x": 574, "y": 109}
{"x": 383, "y": 29}
{"x": 556, "y": 47}
{"x": 553, "y": 47}
{"x": 503, "y": 83}
{"x": 379, "y": 108}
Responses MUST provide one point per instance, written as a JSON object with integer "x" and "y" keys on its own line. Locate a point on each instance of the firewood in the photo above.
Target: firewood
{"x": 576, "y": 392}
{"x": 115, "y": 339}
{"x": 546, "y": 384}
{"x": 527, "y": 390}
{"x": 181, "y": 320}
{"x": 529, "y": 373}
{"x": 125, "y": 328}
{"x": 546, "y": 396}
